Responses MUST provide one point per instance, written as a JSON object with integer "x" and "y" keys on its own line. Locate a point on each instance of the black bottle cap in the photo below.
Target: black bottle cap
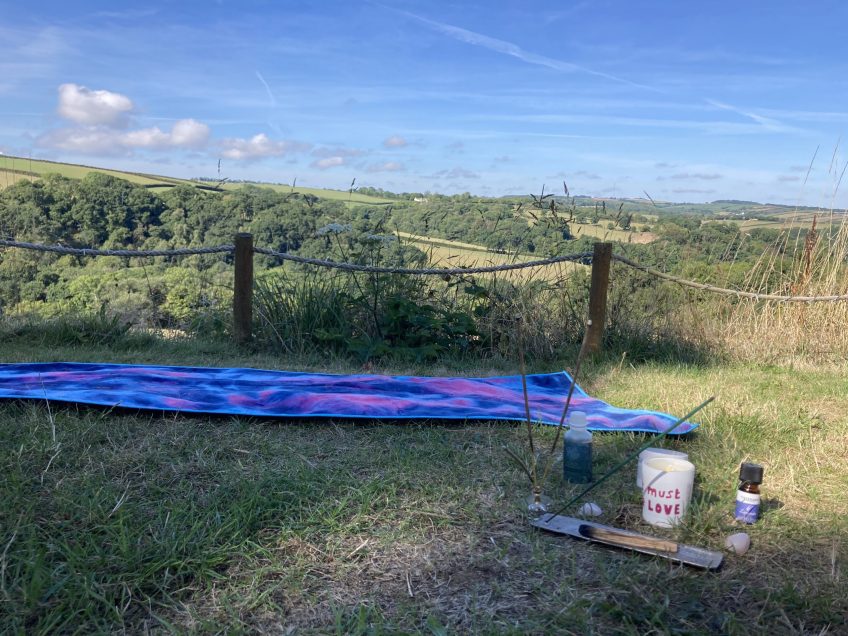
{"x": 752, "y": 473}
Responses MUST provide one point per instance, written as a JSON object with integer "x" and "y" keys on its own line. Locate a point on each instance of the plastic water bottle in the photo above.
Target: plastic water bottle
{"x": 577, "y": 450}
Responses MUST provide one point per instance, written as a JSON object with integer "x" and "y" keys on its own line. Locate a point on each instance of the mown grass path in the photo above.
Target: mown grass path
{"x": 117, "y": 521}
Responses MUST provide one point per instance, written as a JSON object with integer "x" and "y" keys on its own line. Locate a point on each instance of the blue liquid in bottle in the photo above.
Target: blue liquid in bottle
{"x": 577, "y": 451}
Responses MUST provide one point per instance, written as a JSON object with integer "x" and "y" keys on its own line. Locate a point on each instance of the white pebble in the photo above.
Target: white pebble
{"x": 738, "y": 543}
{"x": 590, "y": 510}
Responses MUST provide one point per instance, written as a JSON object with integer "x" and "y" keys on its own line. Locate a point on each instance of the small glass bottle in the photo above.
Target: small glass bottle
{"x": 537, "y": 503}
{"x": 577, "y": 450}
{"x": 748, "y": 494}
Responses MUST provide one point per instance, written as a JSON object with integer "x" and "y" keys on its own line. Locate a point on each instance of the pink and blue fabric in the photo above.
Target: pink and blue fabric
{"x": 265, "y": 393}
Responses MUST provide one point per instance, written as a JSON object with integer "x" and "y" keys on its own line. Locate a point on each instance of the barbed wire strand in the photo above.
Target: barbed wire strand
{"x": 582, "y": 257}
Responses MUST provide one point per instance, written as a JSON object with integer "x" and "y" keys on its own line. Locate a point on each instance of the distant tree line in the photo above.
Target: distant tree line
{"x": 107, "y": 212}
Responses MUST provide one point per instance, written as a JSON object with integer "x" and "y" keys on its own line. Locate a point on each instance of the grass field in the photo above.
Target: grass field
{"x": 787, "y": 219}
{"x": 24, "y": 167}
{"x": 601, "y": 232}
{"x": 118, "y": 521}
{"x": 135, "y": 522}
{"x": 13, "y": 169}
{"x": 434, "y": 240}
{"x": 446, "y": 253}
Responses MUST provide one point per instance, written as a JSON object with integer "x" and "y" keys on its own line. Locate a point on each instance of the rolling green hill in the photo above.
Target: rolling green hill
{"x": 749, "y": 214}
{"x": 13, "y": 169}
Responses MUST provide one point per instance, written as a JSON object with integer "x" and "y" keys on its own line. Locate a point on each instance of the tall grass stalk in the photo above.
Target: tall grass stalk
{"x": 532, "y": 470}
{"x": 295, "y": 312}
{"x": 550, "y": 459}
{"x": 783, "y": 332}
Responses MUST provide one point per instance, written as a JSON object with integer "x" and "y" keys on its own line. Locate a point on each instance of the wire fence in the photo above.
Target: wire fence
{"x": 581, "y": 257}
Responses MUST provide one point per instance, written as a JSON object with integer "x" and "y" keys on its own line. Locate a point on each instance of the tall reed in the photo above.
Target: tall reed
{"x": 811, "y": 264}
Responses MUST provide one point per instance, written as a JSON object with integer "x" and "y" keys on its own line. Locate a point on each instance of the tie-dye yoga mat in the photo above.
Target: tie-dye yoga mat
{"x": 263, "y": 393}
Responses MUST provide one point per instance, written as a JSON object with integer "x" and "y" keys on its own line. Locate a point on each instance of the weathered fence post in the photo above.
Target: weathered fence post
{"x": 243, "y": 289}
{"x": 601, "y": 258}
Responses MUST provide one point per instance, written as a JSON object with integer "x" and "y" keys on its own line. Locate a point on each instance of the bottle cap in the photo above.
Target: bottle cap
{"x": 577, "y": 420}
{"x": 751, "y": 472}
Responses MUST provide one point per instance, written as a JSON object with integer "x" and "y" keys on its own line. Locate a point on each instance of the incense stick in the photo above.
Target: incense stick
{"x": 630, "y": 457}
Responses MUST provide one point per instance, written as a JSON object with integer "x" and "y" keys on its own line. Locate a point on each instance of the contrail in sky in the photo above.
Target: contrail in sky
{"x": 513, "y": 50}
{"x": 766, "y": 122}
{"x": 268, "y": 89}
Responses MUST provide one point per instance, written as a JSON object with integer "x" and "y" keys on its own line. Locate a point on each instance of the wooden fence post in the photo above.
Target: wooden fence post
{"x": 243, "y": 289}
{"x": 601, "y": 258}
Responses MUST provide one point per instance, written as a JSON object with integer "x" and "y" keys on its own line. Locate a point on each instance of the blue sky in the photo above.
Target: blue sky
{"x": 684, "y": 101}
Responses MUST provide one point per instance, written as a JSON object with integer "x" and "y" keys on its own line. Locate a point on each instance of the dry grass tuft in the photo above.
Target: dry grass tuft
{"x": 794, "y": 333}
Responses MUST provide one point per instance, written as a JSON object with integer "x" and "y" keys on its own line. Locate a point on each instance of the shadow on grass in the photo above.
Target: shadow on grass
{"x": 640, "y": 346}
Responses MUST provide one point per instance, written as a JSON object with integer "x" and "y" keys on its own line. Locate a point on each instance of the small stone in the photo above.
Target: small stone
{"x": 590, "y": 509}
{"x": 738, "y": 543}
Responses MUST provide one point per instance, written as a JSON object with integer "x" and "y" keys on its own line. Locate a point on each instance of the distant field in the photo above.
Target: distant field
{"x": 445, "y": 253}
{"x": 601, "y": 232}
{"x": 13, "y": 169}
{"x": 789, "y": 219}
{"x": 23, "y": 167}
{"x": 434, "y": 240}
{"x": 8, "y": 177}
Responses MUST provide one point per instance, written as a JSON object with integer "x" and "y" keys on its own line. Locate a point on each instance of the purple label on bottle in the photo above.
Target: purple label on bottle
{"x": 747, "y": 507}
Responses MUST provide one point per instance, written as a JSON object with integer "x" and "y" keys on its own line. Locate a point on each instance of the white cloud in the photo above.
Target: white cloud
{"x": 457, "y": 172}
{"x": 146, "y": 138}
{"x": 696, "y": 175}
{"x": 329, "y": 162}
{"x": 586, "y": 175}
{"x": 189, "y": 133}
{"x": 86, "y": 140}
{"x": 388, "y": 166}
{"x": 93, "y": 108}
{"x": 103, "y": 120}
{"x": 692, "y": 191}
{"x": 395, "y": 141}
{"x": 186, "y": 133}
{"x": 129, "y": 14}
{"x": 337, "y": 152}
{"x": 258, "y": 147}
